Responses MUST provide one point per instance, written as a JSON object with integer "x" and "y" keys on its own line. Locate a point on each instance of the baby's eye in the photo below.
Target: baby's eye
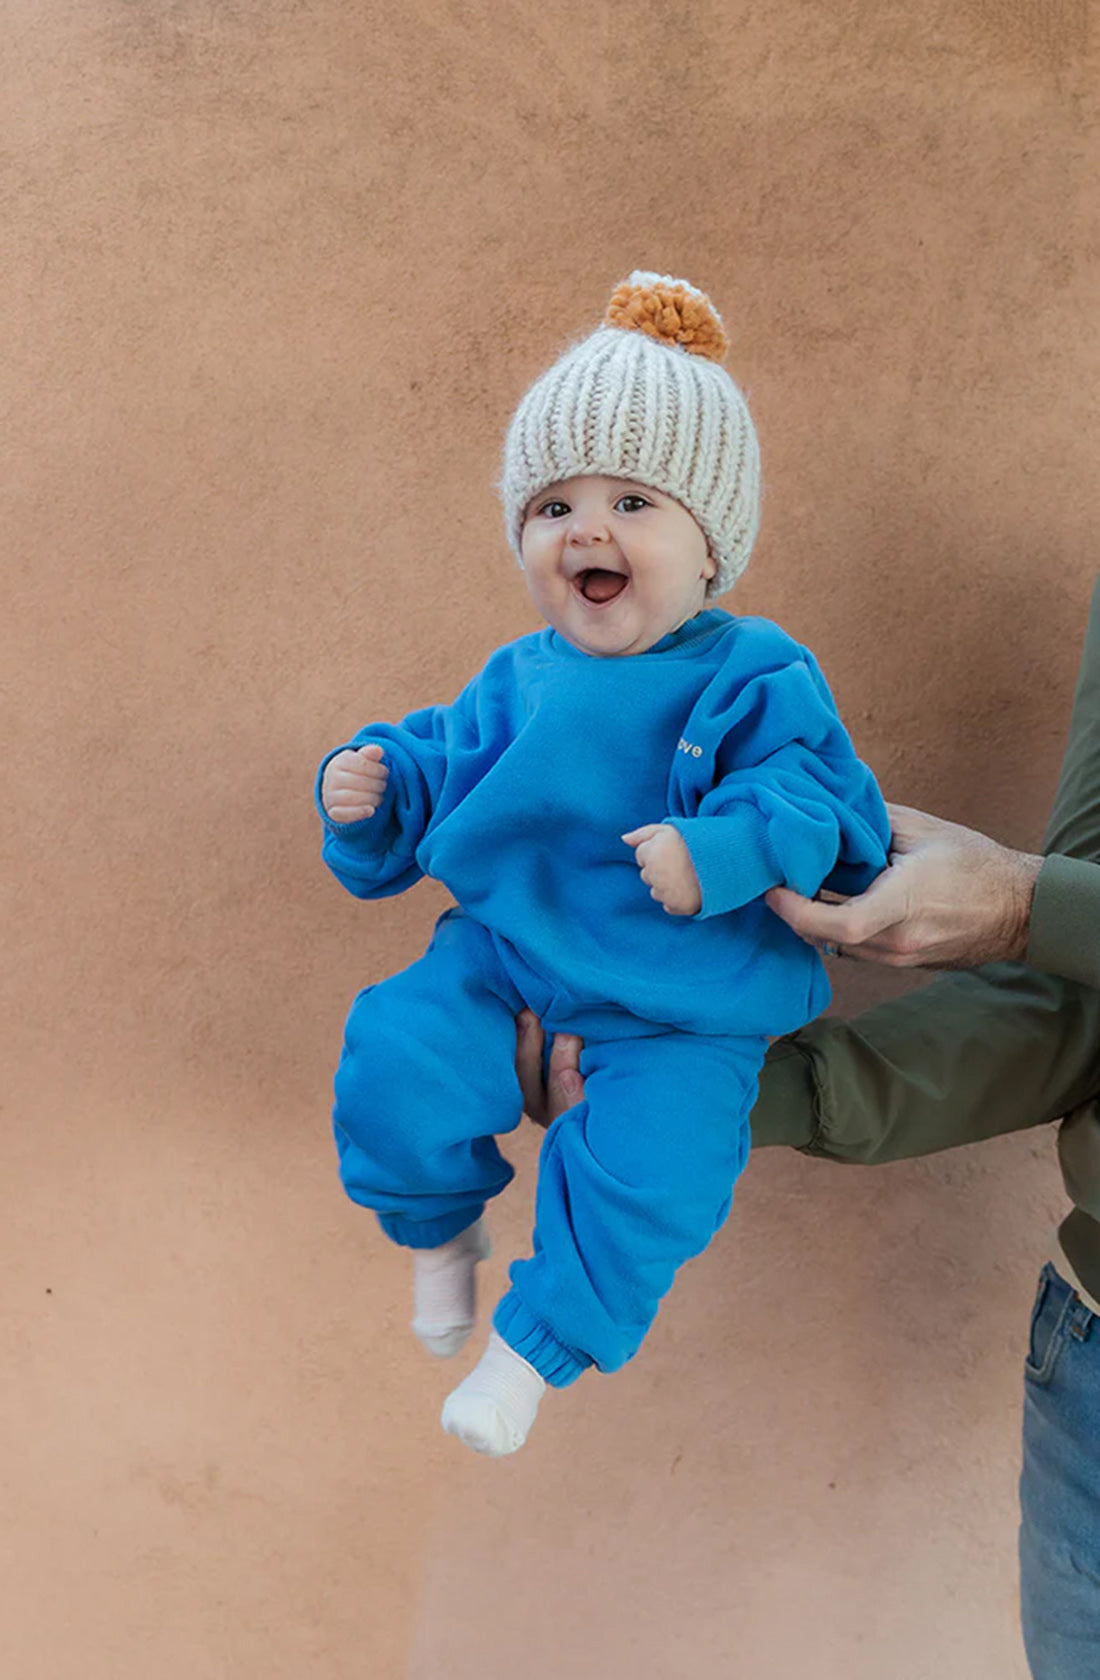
{"x": 631, "y": 497}
{"x": 554, "y": 509}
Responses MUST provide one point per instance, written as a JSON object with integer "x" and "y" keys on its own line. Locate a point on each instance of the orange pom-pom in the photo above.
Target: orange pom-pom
{"x": 671, "y": 311}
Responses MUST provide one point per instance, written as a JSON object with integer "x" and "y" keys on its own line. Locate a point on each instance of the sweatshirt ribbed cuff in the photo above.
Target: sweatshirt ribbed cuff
{"x": 529, "y": 1337}
{"x": 732, "y": 856}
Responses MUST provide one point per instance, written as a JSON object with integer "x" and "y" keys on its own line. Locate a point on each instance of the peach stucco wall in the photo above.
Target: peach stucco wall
{"x": 274, "y": 275}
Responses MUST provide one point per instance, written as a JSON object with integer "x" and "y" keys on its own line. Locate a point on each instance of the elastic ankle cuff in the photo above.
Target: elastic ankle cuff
{"x": 427, "y": 1233}
{"x": 529, "y": 1337}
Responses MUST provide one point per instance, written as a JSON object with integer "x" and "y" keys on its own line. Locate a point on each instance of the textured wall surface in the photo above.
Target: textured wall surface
{"x": 274, "y": 277}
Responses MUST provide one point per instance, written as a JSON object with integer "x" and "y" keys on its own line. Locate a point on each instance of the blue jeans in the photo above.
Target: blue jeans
{"x": 1060, "y": 1487}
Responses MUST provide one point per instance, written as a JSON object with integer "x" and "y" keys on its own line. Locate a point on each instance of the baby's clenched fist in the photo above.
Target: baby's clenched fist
{"x": 353, "y": 784}
{"x": 666, "y": 868}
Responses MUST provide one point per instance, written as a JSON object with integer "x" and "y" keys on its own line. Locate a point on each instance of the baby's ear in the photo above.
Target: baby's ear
{"x": 710, "y": 565}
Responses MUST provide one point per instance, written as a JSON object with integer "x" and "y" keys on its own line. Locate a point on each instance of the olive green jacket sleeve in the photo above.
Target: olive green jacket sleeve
{"x": 971, "y": 1055}
{"x": 1065, "y": 919}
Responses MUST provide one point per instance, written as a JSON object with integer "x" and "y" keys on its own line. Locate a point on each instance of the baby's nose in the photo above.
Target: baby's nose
{"x": 585, "y": 531}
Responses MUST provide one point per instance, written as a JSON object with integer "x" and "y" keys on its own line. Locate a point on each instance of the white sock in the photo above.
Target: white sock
{"x": 492, "y": 1409}
{"x": 446, "y": 1290}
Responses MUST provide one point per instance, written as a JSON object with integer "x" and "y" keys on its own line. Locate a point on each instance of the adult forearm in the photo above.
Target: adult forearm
{"x": 973, "y": 1054}
{"x": 1064, "y": 935}
{"x": 969, "y": 1056}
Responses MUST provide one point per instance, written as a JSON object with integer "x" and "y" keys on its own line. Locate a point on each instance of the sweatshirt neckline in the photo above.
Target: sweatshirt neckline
{"x": 702, "y": 627}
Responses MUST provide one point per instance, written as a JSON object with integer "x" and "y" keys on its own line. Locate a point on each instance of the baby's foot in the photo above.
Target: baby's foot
{"x": 446, "y": 1290}
{"x": 493, "y": 1408}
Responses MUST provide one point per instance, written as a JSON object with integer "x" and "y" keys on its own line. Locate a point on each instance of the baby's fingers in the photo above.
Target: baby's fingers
{"x": 638, "y": 836}
{"x": 356, "y": 777}
{"x": 354, "y": 784}
{"x": 369, "y": 765}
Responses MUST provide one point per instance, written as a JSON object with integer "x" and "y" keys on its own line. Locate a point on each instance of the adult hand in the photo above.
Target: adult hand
{"x": 949, "y": 898}
{"x": 563, "y": 1087}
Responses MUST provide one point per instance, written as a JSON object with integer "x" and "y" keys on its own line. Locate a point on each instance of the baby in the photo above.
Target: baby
{"x": 608, "y": 800}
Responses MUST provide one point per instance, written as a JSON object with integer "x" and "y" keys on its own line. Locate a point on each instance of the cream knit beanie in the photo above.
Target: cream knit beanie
{"x": 644, "y": 397}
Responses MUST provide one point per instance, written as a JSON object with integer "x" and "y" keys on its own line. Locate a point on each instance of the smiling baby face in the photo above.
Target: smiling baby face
{"x": 613, "y": 565}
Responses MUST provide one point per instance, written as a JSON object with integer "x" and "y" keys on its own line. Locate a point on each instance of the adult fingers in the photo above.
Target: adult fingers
{"x": 910, "y": 828}
{"x": 564, "y": 1085}
{"x": 530, "y": 1040}
{"x": 852, "y": 923}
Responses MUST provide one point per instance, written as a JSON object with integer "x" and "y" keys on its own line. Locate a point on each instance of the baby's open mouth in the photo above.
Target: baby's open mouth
{"x": 598, "y": 585}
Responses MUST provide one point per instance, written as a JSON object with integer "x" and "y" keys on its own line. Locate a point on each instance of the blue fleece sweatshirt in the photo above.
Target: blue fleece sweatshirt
{"x": 516, "y": 797}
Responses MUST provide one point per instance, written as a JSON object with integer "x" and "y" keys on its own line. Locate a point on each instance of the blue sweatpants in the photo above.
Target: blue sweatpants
{"x": 633, "y": 1181}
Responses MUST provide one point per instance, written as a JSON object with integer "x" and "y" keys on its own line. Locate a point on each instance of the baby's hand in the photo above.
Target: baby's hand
{"x": 665, "y": 863}
{"x": 353, "y": 784}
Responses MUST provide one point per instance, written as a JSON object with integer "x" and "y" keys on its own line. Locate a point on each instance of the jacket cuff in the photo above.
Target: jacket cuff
{"x": 786, "y": 1110}
{"x": 1064, "y": 933}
